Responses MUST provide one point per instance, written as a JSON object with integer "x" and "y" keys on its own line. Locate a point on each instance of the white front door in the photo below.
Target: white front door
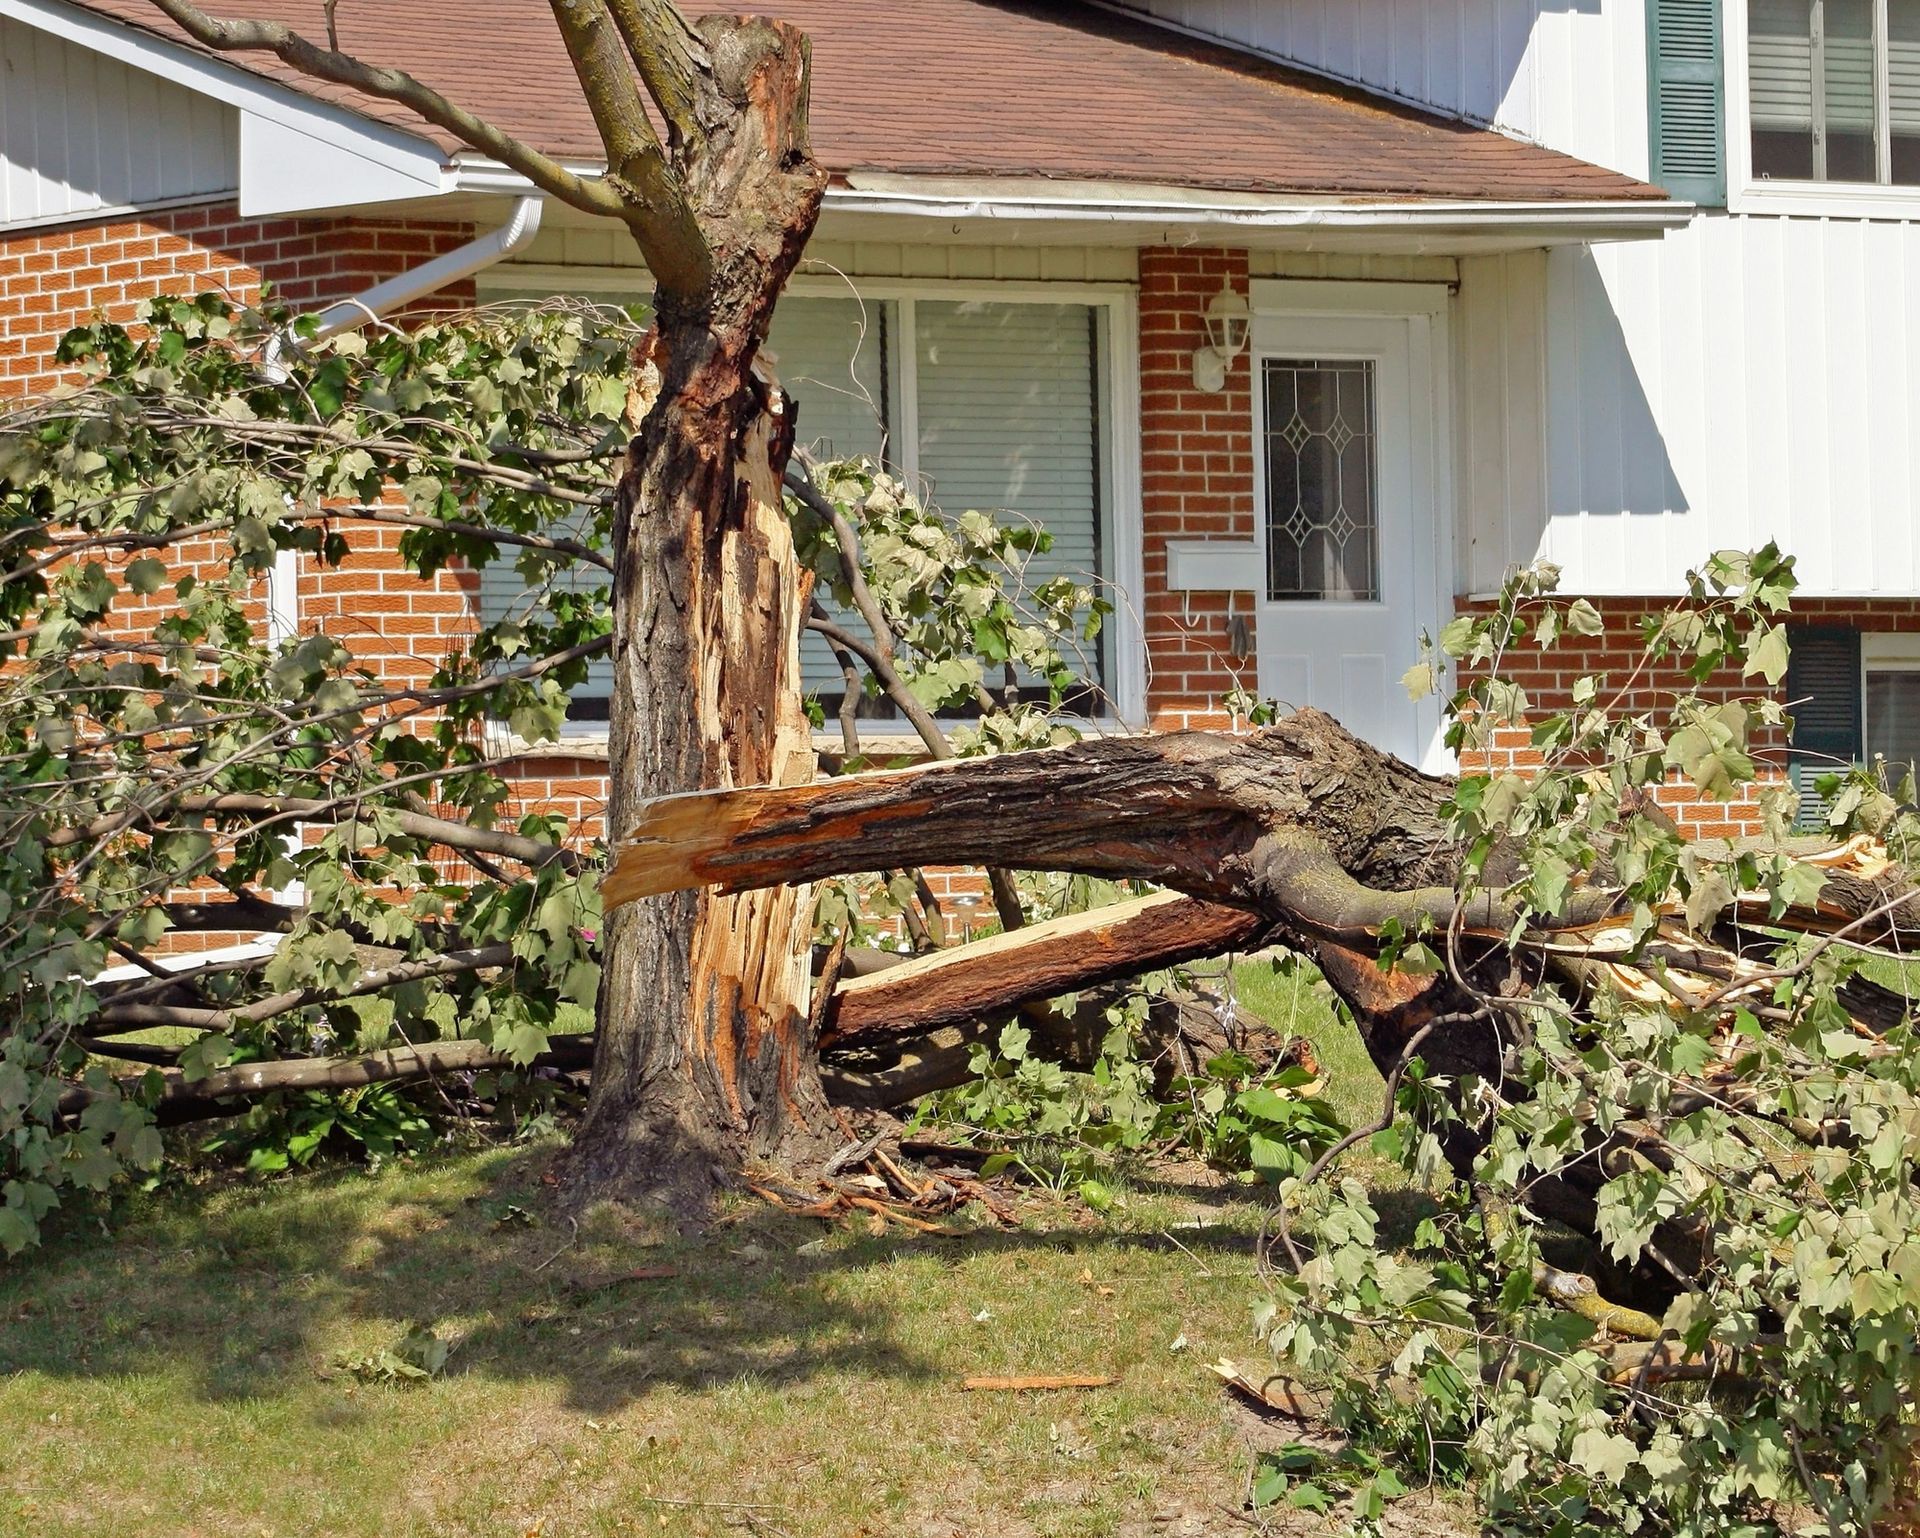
{"x": 1354, "y": 555}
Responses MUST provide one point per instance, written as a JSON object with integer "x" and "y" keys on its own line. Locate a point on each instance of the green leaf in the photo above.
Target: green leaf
{"x": 1767, "y": 654}
{"x": 147, "y": 576}
{"x": 1603, "y": 1454}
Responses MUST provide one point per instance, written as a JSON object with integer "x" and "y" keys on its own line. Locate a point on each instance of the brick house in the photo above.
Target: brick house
{"x": 1583, "y": 282}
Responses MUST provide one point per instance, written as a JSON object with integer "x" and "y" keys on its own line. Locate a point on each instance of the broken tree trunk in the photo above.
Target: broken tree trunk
{"x": 1328, "y": 841}
{"x": 1302, "y": 823}
{"x": 703, "y": 1055}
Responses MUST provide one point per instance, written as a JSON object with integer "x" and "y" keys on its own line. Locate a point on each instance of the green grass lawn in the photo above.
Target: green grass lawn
{"x": 175, "y": 1368}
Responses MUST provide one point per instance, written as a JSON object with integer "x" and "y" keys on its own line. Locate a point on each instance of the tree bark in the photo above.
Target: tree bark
{"x": 703, "y": 1058}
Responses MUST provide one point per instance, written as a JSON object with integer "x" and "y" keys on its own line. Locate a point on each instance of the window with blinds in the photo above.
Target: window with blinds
{"x": 999, "y": 406}
{"x": 1003, "y": 403}
{"x": 1834, "y": 90}
{"x": 1009, "y": 423}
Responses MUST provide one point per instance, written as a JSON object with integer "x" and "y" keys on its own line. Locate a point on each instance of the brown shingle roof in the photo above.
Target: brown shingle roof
{"x": 974, "y": 88}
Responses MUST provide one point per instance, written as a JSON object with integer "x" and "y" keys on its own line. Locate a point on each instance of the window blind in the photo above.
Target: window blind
{"x": 1823, "y": 696}
{"x": 831, "y": 355}
{"x": 1009, "y": 423}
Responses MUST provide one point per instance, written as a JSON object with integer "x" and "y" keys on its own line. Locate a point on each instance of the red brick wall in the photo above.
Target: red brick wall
{"x": 54, "y": 280}
{"x": 1196, "y": 483}
{"x": 1548, "y": 677}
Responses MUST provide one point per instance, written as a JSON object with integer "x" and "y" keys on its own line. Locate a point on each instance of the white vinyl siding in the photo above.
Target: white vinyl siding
{"x": 80, "y": 133}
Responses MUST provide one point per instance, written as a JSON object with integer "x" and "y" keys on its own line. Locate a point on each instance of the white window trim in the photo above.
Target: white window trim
{"x": 1885, "y": 651}
{"x": 1120, "y": 388}
{"x": 1749, "y": 194}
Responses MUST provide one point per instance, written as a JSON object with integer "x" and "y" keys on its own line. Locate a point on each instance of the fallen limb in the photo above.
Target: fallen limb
{"x": 1040, "y": 1382}
{"x": 1063, "y": 955}
{"x": 181, "y": 1099}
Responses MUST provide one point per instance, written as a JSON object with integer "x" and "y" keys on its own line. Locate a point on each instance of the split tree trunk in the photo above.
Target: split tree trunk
{"x": 703, "y": 1058}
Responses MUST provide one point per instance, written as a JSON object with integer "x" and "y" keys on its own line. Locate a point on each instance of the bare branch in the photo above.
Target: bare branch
{"x": 670, "y": 56}
{"x": 655, "y": 199}
{"x": 454, "y": 963}
{"x": 181, "y": 1100}
{"x": 593, "y": 195}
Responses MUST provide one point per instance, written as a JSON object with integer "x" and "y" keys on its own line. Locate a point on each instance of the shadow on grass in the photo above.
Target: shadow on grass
{"x": 245, "y": 1291}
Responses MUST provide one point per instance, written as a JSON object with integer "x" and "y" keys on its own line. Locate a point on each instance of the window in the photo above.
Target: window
{"x": 982, "y": 403}
{"x": 1322, "y": 524}
{"x": 1834, "y": 90}
{"x": 1854, "y": 699}
{"x": 1890, "y": 690}
{"x": 992, "y": 403}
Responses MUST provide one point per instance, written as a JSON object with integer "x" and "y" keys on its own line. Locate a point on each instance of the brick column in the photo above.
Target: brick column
{"x": 1196, "y": 483}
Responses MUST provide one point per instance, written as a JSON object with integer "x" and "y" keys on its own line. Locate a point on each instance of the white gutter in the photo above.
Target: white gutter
{"x": 429, "y": 277}
{"x": 1622, "y": 217}
{"x": 1121, "y": 205}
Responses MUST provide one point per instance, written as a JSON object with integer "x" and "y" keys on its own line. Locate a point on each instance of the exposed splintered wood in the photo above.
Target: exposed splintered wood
{"x": 1063, "y": 955}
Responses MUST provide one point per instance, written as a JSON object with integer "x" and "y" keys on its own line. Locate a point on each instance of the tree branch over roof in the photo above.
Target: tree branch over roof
{"x": 669, "y": 55}
{"x": 641, "y": 188}
{"x": 657, "y": 210}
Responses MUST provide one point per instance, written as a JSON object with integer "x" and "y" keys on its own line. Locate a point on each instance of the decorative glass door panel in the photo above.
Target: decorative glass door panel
{"x": 1323, "y": 534}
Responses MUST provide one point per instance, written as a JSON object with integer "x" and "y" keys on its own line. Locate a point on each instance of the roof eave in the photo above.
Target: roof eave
{"x": 297, "y": 152}
{"x": 1145, "y": 213}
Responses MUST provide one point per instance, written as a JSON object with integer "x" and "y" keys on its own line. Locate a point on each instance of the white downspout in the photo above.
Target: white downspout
{"x": 429, "y": 277}
{"x": 283, "y": 577}
{"x": 461, "y": 262}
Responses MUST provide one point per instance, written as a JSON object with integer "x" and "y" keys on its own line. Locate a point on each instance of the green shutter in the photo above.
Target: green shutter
{"x": 1686, "y": 100}
{"x": 1823, "y": 694}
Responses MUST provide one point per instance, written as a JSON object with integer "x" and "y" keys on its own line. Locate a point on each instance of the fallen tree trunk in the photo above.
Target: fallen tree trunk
{"x": 1321, "y": 834}
{"x": 1183, "y": 1032}
{"x": 1063, "y": 955}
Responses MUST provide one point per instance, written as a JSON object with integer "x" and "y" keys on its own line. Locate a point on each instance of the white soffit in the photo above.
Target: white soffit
{"x": 296, "y": 154}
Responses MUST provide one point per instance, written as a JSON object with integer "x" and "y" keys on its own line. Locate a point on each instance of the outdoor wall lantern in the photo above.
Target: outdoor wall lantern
{"x": 1227, "y": 321}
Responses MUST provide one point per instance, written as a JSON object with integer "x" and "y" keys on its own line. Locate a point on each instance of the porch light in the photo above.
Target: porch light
{"x": 1227, "y": 320}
